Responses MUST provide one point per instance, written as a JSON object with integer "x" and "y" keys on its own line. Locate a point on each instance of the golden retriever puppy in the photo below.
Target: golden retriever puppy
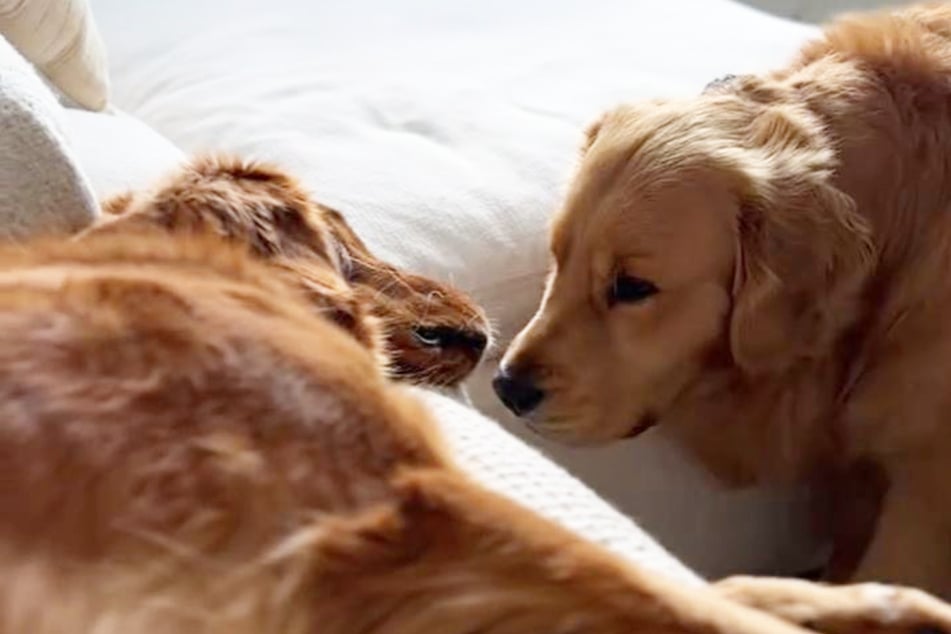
{"x": 187, "y": 447}
{"x": 764, "y": 269}
{"x": 433, "y": 333}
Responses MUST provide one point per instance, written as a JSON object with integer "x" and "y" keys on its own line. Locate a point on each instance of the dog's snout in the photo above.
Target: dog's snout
{"x": 517, "y": 391}
{"x": 475, "y": 341}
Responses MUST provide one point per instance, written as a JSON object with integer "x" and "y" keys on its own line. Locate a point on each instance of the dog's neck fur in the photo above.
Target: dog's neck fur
{"x": 794, "y": 424}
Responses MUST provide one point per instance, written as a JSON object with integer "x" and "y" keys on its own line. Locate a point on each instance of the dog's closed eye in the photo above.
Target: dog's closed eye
{"x": 627, "y": 289}
{"x": 447, "y": 336}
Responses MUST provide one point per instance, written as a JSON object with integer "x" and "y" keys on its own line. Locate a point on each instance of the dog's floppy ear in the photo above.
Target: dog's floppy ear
{"x": 341, "y": 232}
{"x": 803, "y": 252}
{"x": 591, "y": 134}
{"x": 353, "y": 259}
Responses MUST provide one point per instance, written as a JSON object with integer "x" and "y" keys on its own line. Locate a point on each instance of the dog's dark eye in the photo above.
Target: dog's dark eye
{"x": 629, "y": 289}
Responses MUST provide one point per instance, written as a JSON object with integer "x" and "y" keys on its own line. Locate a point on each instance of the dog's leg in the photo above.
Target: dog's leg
{"x": 868, "y": 608}
{"x": 851, "y": 507}
{"x": 912, "y": 542}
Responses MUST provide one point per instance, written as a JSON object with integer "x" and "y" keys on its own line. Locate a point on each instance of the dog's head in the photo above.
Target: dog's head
{"x": 435, "y": 333}
{"x": 431, "y": 333}
{"x": 698, "y": 234}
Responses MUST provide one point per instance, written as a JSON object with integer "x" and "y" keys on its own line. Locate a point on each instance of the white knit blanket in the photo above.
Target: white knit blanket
{"x": 505, "y": 464}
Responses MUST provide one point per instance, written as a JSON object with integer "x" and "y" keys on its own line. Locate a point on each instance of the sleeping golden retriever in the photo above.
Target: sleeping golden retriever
{"x": 188, "y": 447}
{"x": 432, "y": 333}
{"x": 766, "y": 270}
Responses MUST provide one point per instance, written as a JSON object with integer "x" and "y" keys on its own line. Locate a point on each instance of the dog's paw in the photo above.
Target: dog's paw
{"x": 866, "y": 608}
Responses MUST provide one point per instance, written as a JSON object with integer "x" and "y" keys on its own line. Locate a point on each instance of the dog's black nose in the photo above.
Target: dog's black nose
{"x": 517, "y": 391}
{"x": 475, "y": 341}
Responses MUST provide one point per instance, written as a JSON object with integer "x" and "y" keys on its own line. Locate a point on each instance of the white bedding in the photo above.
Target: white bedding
{"x": 446, "y": 131}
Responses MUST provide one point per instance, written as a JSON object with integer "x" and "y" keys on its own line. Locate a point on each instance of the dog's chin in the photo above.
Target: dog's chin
{"x": 568, "y": 438}
{"x": 571, "y": 431}
{"x": 574, "y": 433}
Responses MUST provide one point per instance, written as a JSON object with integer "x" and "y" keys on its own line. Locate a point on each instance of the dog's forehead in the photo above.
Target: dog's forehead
{"x": 584, "y": 233}
{"x": 637, "y": 222}
{"x": 647, "y": 164}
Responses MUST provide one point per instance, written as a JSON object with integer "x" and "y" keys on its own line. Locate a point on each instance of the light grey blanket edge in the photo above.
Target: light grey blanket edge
{"x": 42, "y": 189}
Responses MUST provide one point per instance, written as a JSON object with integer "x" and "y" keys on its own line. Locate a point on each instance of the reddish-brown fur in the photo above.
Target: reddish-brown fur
{"x": 187, "y": 447}
{"x": 798, "y": 226}
{"x": 431, "y": 333}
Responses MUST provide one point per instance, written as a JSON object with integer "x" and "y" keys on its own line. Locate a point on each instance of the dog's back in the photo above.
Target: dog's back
{"x": 185, "y": 446}
{"x": 170, "y": 412}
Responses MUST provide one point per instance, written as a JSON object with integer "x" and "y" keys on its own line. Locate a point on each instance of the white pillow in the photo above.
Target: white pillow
{"x": 446, "y": 131}
{"x": 454, "y": 124}
{"x": 117, "y": 152}
{"x": 60, "y": 38}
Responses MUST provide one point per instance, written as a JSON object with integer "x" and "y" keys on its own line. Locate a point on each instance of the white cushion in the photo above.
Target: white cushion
{"x": 42, "y": 188}
{"x": 60, "y": 38}
{"x": 446, "y": 132}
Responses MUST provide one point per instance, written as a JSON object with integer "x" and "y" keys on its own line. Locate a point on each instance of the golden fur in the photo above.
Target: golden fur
{"x": 187, "y": 447}
{"x": 431, "y": 333}
{"x": 797, "y": 226}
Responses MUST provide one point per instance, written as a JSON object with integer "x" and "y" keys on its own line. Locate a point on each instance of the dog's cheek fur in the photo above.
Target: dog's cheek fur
{"x": 804, "y": 252}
